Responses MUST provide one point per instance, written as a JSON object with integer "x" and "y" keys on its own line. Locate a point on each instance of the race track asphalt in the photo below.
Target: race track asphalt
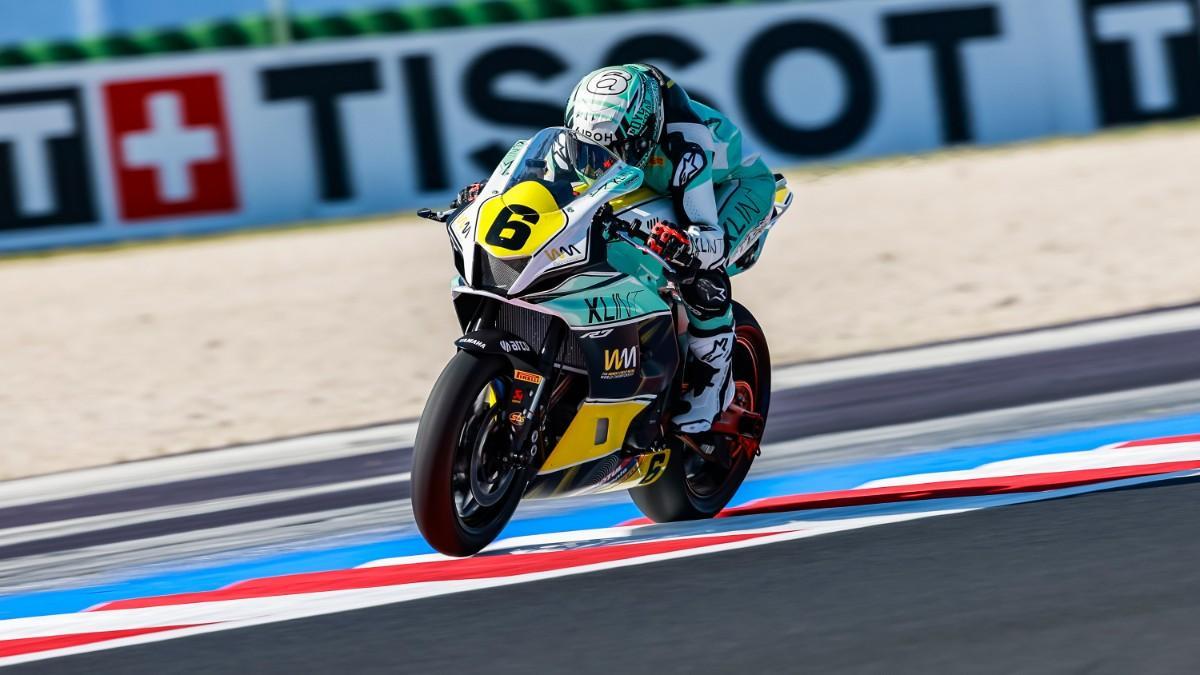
{"x": 1099, "y": 583}
{"x": 850, "y": 404}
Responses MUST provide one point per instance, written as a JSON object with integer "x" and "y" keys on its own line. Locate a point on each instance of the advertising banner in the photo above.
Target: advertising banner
{"x": 154, "y": 146}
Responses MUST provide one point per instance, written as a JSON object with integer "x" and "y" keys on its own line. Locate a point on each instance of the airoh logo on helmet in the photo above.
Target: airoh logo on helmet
{"x": 601, "y": 137}
{"x": 620, "y": 107}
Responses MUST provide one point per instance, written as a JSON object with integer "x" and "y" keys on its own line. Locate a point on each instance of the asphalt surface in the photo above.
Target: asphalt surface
{"x": 1098, "y": 583}
{"x": 1053, "y": 375}
{"x": 1095, "y": 583}
{"x": 845, "y": 405}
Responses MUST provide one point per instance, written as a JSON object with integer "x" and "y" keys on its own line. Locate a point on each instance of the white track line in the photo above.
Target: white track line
{"x": 1102, "y": 405}
{"x": 375, "y": 439}
{"x": 238, "y": 459}
{"x": 62, "y": 528}
{"x": 235, "y": 614}
{"x": 1108, "y": 457}
{"x": 774, "y": 455}
{"x": 1109, "y": 330}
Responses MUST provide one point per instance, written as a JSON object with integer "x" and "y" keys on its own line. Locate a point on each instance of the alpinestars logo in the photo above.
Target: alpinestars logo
{"x": 719, "y": 348}
{"x": 712, "y": 292}
{"x": 620, "y": 363}
{"x": 690, "y": 166}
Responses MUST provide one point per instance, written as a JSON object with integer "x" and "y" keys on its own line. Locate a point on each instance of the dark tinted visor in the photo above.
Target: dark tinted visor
{"x": 633, "y": 151}
{"x": 588, "y": 159}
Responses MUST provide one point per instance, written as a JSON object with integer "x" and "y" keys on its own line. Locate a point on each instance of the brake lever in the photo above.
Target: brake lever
{"x": 614, "y": 229}
{"x": 669, "y": 269}
{"x": 430, "y": 214}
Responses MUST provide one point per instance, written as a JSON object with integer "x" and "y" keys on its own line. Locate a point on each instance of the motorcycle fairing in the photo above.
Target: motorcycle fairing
{"x": 598, "y": 429}
{"x": 571, "y": 245}
{"x": 616, "y": 299}
{"x": 519, "y": 221}
{"x": 587, "y": 300}
{"x": 648, "y": 337}
{"x": 634, "y": 359}
{"x": 606, "y": 474}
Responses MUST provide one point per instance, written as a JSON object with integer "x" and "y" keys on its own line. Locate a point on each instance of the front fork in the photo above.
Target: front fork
{"x": 534, "y": 377}
{"x": 526, "y": 412}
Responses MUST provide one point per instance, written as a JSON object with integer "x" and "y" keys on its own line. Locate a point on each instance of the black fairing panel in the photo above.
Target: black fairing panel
{"x": 496, "y": 341}
{"x": 637, "y": 359}
{"x": 466, "y": 305}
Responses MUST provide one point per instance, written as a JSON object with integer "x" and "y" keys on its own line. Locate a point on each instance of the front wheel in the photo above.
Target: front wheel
{"x": 463, "y": 488}
{"x": 693, "y": 486}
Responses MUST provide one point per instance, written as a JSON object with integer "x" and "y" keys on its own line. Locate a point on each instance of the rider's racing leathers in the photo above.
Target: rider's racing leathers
{"x": 721, "y": 192}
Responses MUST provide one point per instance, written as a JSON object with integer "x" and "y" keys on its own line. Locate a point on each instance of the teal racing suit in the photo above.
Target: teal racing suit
{"x": 721, "y": 192}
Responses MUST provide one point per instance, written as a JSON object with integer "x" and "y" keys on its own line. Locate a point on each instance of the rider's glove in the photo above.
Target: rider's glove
{"x": 672, "y": 244}
{"x": 467, "y": 195}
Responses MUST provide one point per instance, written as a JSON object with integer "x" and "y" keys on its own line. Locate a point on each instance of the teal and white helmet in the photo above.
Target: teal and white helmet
{"x": 620, "y": 108}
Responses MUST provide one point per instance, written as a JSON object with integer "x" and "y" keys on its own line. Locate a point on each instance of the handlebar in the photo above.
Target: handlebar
{"x": 623, "y": 231}
{"x": 641, "y": 246}
{"x": 439, "y": 216}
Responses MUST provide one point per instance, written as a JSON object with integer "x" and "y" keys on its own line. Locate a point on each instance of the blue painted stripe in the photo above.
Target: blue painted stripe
{"x": 967, "y": 457}
{"x": 191, "y": 578}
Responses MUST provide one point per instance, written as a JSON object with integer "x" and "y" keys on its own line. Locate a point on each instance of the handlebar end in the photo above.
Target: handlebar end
{"x": 430, "y": 214}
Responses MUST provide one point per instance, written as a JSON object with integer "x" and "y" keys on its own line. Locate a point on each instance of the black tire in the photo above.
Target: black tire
{"x": 675, "y": 496}
{"x": 451, "y": 424}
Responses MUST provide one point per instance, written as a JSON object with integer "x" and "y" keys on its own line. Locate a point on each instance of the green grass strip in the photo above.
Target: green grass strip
{"x": 257, "y": 30}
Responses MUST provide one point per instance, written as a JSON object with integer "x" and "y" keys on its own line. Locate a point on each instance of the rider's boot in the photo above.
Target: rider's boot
{"x": 709, "y": 391}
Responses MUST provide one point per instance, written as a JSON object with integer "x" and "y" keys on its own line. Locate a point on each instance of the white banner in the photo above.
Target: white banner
{"x": 195, "y": 143}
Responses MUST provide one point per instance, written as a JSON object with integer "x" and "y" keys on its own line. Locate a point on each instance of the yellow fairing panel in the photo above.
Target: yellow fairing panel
{"x": 633, "y": 198}
{"x": 519, "y": 222}
{"x": 597, "y": 430}
{"x": 649, "y": 468}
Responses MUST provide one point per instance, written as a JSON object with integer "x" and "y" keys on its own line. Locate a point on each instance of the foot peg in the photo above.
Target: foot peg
{"x": 737, "y": 421}
{"x": 751, "y": 425}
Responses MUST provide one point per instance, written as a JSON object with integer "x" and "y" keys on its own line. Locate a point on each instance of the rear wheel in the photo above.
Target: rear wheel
{"x": 463, "y": 488}
{"x": 695, "y": 485}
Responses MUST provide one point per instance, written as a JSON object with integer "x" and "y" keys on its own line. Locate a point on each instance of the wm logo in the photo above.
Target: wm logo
{"x": 620, "y": 359}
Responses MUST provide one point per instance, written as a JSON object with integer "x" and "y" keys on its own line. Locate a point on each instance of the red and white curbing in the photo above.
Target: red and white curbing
{"x": 258, "y": 601}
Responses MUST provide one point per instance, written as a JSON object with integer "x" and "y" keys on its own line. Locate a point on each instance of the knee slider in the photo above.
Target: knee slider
{"x": 708, "y": 294}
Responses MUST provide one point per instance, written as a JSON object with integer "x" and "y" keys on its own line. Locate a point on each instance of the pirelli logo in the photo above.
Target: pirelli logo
{"x": 526, "y": 376}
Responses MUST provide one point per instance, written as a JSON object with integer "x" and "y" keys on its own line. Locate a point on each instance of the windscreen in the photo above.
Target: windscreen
{"x": 565, "y": 164}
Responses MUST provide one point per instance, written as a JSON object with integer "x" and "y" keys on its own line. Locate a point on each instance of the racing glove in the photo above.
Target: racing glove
{"x": 672, "y": 244}
{"x": 467, "y": 195}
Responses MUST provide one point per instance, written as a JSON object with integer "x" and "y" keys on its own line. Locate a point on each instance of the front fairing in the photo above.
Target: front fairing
{"x": 533, "y": 218}
{"x": 587, "y": 301}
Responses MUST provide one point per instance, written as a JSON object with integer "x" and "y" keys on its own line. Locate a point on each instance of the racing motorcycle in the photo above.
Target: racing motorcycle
{"x": 572, "y": 354}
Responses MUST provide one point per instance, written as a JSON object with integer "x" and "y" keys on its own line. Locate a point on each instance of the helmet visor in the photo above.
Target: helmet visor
{"x": 634, "y": 151}
{"x": 588, "y": 159}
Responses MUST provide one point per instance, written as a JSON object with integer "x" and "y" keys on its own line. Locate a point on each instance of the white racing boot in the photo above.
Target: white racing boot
{"x": 709, "y": 390}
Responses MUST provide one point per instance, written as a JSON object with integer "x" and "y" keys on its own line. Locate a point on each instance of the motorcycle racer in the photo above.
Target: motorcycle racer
{"x": 696, "y": 155}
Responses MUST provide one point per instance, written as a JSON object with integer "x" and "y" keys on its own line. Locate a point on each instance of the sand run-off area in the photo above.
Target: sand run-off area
{"x": 148, "y": 350}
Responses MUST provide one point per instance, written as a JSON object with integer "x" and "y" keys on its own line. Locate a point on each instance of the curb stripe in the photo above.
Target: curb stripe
{"x": 41, "y": 644}
{"x": 480, "y": 567}
{"x": 1190, "y": 438}
{"x": 972, "y": 487}
{"x": 976, "y": 487}
{"x": 209, "y": 617}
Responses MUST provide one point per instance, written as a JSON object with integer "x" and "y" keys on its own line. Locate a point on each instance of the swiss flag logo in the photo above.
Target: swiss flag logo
{"x": 170, "y": 147}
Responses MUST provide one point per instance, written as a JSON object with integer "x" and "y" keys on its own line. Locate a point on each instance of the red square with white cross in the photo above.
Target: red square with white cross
{"x": 170, "y": 147}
